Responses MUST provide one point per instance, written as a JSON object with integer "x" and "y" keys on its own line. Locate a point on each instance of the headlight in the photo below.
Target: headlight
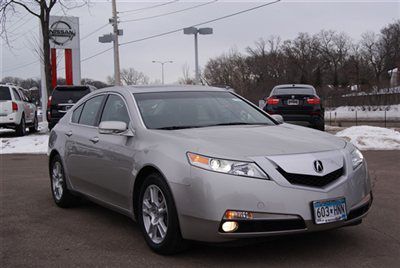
{"x": 356, "y": 158}
{"x": 246, "y": 169}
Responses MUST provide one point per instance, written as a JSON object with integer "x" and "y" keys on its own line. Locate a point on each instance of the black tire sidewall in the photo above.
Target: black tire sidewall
{"x": 173, "y": 238}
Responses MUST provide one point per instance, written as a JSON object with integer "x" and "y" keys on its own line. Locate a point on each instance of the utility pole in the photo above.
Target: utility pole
{"x": 117, "y": 75}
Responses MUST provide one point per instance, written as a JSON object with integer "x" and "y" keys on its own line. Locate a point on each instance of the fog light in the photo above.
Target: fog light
{"x": 238, "y": 215}
{"x": 230, "y": 226}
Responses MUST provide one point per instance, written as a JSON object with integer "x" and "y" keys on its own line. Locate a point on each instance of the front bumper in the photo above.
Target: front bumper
{"x": 205, "y": 197}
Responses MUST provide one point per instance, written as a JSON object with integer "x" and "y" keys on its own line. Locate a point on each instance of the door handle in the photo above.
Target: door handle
{"x": 69, "y": 133}
{"x": 94, "y": 139}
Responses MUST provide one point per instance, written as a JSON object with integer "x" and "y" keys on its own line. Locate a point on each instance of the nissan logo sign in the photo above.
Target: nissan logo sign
{"x": 61, "y": 33}
{"x": 318, "y": 167}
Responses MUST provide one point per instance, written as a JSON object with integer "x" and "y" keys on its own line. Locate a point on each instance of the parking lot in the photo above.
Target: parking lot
{"x": 37, "y": 233}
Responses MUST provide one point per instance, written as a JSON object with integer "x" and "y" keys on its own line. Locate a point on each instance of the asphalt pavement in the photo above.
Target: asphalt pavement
{"x": 34, "y": 232}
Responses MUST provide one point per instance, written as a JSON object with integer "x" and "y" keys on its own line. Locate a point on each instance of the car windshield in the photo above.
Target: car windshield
{"x": 5, "y": 94}
{"x": 191, "y": 109}
{"x": 293, "y": 91}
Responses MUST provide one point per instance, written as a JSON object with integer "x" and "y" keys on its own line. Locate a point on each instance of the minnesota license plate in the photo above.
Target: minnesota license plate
{"x": 327, "y": 211}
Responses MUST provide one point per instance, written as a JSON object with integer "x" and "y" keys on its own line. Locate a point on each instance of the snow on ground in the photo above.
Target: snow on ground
{"x": 372, "y": 138}
{"x": 364, "y": 112}
{"x": 30, "y": 144}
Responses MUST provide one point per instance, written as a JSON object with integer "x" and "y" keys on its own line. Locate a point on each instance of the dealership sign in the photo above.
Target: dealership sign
{"x": 64, "y": 32}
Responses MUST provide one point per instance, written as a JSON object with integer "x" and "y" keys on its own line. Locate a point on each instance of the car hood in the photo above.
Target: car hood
{"x": 241, "y": 142}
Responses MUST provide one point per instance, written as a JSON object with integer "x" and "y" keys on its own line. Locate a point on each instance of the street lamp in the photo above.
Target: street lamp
{"x": 162, "y": 68}
{"x": 195, "y": 31}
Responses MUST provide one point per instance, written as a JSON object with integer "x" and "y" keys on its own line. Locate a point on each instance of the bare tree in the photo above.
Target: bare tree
{"x": 40, "y": 9}
{"x": 132, "y": 77}
{"x": 374, "y": 53}
{"x": 186, "y": 78}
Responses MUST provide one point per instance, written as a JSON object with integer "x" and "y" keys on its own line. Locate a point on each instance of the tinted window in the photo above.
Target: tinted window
{"x": 90, "y": 110}
{"x": 64, "y": 94}
{"x": 16, "y": 95}
{"x": 5, "y": 94}
{"x": 197, "y": 109}
{"x": 295, "y": 91}
{"x": 115, "y": 110}
{"x": 76, "y": 114}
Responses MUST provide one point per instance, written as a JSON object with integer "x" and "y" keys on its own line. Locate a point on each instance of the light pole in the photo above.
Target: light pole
{"x": 195, "y": 31}
{"x": 162, "y": 68}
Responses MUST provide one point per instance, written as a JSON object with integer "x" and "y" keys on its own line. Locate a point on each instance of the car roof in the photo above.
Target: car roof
{"x": 166, "y": 88}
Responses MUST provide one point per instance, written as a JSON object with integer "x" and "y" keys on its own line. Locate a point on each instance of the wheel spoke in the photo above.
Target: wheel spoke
{"x": 162, "y": 229}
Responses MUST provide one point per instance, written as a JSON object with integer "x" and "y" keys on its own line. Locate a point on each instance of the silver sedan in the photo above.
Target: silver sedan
{"x": 202, "y": 163}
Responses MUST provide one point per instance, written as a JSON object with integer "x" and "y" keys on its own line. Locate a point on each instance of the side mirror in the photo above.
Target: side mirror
{"x": 114, "y": 127}
{"x": 278, "y": 118}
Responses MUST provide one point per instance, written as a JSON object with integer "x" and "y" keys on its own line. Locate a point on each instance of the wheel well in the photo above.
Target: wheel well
{"x": 140, "y": 177}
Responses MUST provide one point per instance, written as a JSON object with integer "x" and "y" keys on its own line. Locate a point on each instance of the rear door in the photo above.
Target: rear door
{"x": 29, "y": 109}
{"x": 81, "y": 149}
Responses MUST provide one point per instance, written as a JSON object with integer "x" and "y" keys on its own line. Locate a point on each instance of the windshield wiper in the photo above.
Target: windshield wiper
{"x": 236, "y": 124}
{"x": 176, "y": 127}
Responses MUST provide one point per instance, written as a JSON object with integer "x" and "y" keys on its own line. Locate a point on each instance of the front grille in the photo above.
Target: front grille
{"x": 310, "y": 180}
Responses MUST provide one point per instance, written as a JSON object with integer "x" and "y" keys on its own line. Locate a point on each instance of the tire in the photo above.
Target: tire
{"x": 61, "y": 195}
{"x": 35, "y": 127}
{"x": 21, "y": 128}
{"x": 153, "y": 222}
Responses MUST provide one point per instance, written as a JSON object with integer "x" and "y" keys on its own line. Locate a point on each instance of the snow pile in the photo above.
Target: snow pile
{"x": 29, "y": 144}
{"x": 364, "y": 112}
{"x": 32, "y": 143}
{"x": 372, "y": 138}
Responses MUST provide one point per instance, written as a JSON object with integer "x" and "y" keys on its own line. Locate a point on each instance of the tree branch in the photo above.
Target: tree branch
{"x": 25, "y": 6}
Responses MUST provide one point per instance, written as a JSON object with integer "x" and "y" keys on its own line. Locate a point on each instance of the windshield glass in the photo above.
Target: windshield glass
{"x": 293, "y": 91}
{"x": 176, "y": 110}
{"x": 5, "y": 94}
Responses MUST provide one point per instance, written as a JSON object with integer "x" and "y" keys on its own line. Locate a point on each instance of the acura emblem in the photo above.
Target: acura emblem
{"x": 318, "y": 167}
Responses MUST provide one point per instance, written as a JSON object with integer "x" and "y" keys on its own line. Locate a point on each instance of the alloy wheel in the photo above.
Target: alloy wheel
{"x": 155, "y": 214}
{"x": 57, "y": 180}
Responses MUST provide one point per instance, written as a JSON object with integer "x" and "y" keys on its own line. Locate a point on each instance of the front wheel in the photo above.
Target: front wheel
{"x": 158, "y": 218}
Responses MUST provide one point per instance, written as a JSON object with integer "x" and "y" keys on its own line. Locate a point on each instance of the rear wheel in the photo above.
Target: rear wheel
{"x": 158, "y": 218}
{"x": 35, "y": 127}
{"x": 21, "y": 128}
{"x": 61, "y": 195}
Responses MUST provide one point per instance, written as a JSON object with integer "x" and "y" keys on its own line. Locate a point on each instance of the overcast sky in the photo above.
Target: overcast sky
{"x": 286, "y": 19}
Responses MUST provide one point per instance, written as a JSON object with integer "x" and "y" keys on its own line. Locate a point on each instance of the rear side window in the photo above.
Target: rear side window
{"x": 5, "y": 94}
{"x": 68, "y": 94}
{"x": 16, "y": 95}
{"x": 115, "y": 110}
{"x": 90, "y": 111}
{"x": 77, "y": 114}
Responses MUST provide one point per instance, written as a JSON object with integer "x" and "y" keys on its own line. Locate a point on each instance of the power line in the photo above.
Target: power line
{"x": 95, "y": 31}
{"x": 149, "y": 7}
{"x": 178, "y": 30}
{"x": 169, "y": 13}
{"x": 202, "y": 23}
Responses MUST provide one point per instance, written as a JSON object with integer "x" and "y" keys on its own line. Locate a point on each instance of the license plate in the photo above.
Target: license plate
{"x": 293, "y": 102}
{"x": 327, "y": 211}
